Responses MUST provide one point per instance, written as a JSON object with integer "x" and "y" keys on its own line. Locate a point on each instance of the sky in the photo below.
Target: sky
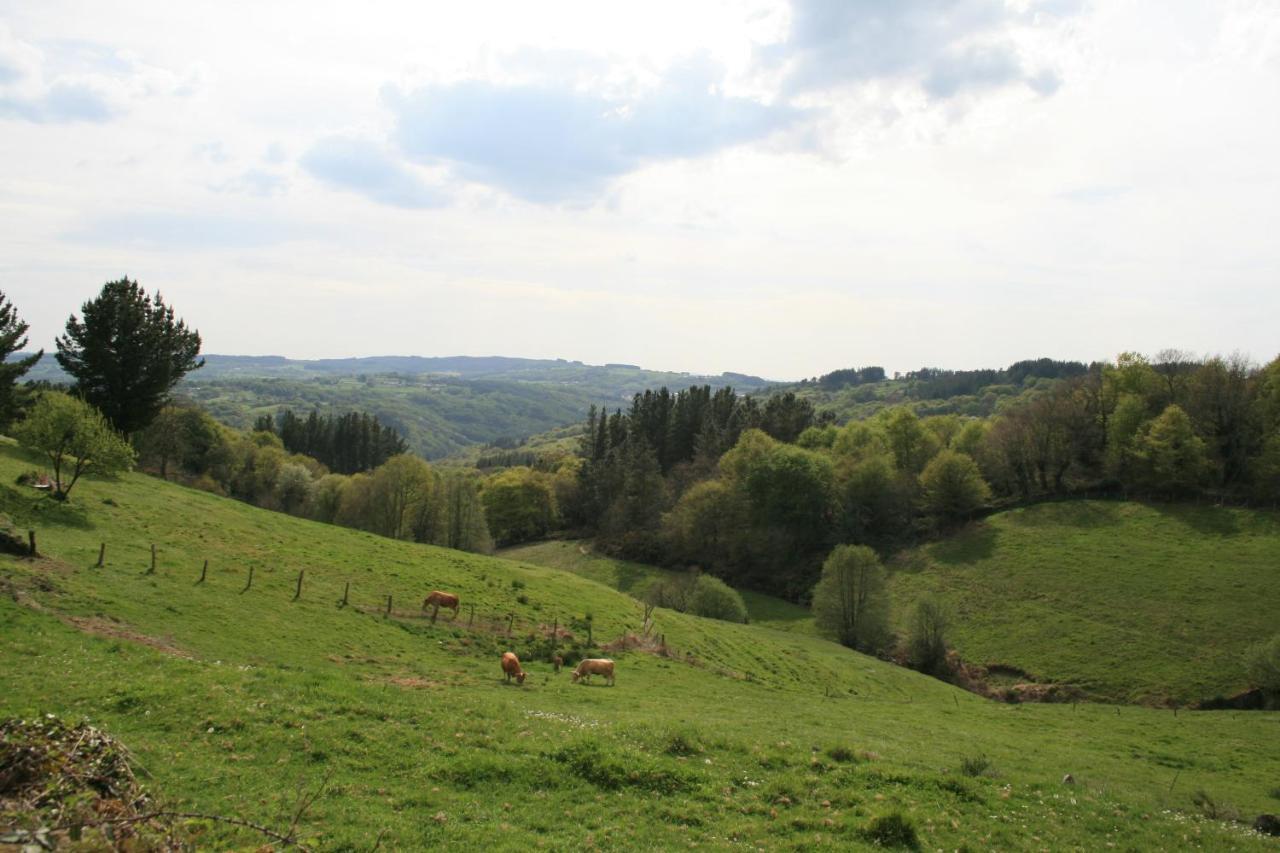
{"x": 769, "y": 187}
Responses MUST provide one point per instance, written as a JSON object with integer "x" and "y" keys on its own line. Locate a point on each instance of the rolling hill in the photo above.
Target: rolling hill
{"x": 233, "y": 697}
{"x": 1123, "y": 601}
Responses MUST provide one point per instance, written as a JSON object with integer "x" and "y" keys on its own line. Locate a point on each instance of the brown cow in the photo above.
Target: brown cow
{"x": 447, "y": 600}
{"x": 594, "y": 666}
{"x": 511, "y": 666}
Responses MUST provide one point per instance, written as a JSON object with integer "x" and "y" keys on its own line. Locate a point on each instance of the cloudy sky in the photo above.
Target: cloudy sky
{"x": 773, "y": 187}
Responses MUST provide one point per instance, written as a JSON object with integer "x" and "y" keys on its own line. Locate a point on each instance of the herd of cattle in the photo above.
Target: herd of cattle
{"x": 586, "y": 668}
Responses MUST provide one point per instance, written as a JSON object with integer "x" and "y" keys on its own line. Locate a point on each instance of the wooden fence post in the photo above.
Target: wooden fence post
{"x": 345, "y": 592}
{"x": 511, "y": 618}
{"x": 298, "y": 593}
{"x": 555, "y": 632}
{"x": 31, "y": 537}
{"x": 250, "y": 583}
{"x": 102, "y": 554}
{"x": 203, "y": 571}
{"x": 152, "y": 570}
{"x": 388, "y": 605}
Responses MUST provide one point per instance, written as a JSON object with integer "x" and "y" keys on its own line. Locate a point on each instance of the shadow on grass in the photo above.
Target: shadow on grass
{"x": 1068, "y": 513}
{"x": 28, "y": 508}
{"x": 1212, "y": 520}
{"x": 975, "y": 543}
{"x": 629, "y": 576}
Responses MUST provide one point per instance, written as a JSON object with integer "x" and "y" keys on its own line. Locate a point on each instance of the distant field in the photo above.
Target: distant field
{"x": 233, "y": 700}
{"x": 1130, "y": 602}
{"x": 576, "y": 556}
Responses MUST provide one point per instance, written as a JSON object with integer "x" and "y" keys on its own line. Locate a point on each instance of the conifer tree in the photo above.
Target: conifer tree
{"x": 127, "y": 352}
{"x": 13, "y": 338}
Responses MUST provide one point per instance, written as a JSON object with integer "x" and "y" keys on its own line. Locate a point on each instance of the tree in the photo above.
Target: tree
{"x": 850, "y": 601}
{"x": 73, "y": 434}
{"x": 952, "y": 487}
{"x": 13, "y": 338}
{"x": 927, "y": 642}
{"x": 400, "y": 486}
{"x": 127, "y": 353}
{"x": 1263, "y": 664}
{"x": 519, "y": 504}
{"x": 1171, "y": 457}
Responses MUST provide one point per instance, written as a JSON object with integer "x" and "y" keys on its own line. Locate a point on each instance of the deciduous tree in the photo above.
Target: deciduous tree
{"x": 76, "y": 438}
{"x": 850, "y": 601}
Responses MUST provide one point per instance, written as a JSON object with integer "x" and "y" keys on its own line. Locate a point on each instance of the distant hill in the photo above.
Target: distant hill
{"x": 441, "y": 405}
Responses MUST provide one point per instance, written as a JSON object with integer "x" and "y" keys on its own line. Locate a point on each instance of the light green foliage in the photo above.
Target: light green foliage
{"x": 860, "y": 439}
{"x": 400, "y": 498}
{"x": 75, "y": 437}
{"x": 423, "y": 744}
{"x": 850, "y": 601}
{"x": 816, "y": 438}
{"x": 970, "y": 438}
{"x": 945, "y": 428}
{"x": 520, "y": 505}
{"x": 1171, "y": 458}
{"x": 460, "y": 513}
{"x": 1123, "y": 430}
{"x": 912, "y": 445}
{"x": 293, "y": 487}
{"x": 326, "y": 497}
{"x": 706, "y": 525}
{"x": 951, "y": 486}
{"x": 715, "y": 599}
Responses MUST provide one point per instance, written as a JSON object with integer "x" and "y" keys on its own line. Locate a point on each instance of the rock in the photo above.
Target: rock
{"x": 1267, "y": 824}
{"x": 1068, "y": 779}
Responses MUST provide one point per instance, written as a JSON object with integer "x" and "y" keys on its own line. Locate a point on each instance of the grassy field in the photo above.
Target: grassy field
{"x": 576, "y": 556}
{"x": 234, "y": 700}
{"x": 1128, "y": 602}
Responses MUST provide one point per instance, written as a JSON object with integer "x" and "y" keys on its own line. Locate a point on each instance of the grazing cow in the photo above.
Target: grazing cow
{"x": 511, "y": 666}
{"x": 447, "y": 600}
{"x": 594, "y": 666}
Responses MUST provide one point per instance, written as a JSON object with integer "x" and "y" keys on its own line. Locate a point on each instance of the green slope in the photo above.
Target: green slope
{"x": 1128, "y": 602}
{"x": 231, "y": 700}
{"x": 576, "y": 556}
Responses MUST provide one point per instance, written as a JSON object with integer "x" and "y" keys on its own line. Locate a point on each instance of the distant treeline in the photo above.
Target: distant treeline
{"x": 345, "y": 444}
{"x": 931, "y": 383}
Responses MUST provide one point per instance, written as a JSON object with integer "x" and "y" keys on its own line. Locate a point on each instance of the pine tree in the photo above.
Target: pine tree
{"x": 127, "y": 352}
{"x": 13, "y": 338}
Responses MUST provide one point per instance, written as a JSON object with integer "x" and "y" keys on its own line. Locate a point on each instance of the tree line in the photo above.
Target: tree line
{"x": 707, "y": 480}
{"x": 346, "y": 443}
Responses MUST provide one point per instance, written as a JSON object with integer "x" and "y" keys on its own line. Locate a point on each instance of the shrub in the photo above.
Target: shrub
{"x": 715, "y": 599}
{"x": 927, "y": 642}
{"x": 614, "y": 768}
{"x": 892, "y": 830}
{"x": 1263, "y": 666}
{"x": 975, "y": 765}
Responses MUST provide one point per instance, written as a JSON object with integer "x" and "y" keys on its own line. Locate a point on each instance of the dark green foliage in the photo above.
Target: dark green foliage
{"x": 615, "y": 768}
{"x": 127, "y": 352}
{"x": 927, "y": 641}
{"x": 345, "y": 444}
{"x": 1263, "y": 663}
{"x": 892, "y": 830}
{"x": 13, "y": 338}
{"x": 975, "y": 765}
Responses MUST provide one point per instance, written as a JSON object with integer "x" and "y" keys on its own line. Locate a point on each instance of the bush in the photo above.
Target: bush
{"x": 927, "y": 643}
{"x": 892, "y": 830}
{"x": 976, "y": 765}
{"x": 1263, "y": 666}
{"x": 715, "y": 599}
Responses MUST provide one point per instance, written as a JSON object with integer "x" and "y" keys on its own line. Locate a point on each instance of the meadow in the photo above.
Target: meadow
{"x": 1121, "y": 600}
{"x": 234, "y": 700}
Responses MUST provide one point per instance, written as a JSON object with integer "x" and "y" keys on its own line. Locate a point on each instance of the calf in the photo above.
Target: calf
{"x": 511, "y": 666}
{"x": 594, "y": 666}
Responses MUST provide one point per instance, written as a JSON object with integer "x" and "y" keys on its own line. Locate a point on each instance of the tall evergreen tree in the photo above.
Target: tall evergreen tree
{"x": 127, "y": 352}
{"x": 13, "y": 338}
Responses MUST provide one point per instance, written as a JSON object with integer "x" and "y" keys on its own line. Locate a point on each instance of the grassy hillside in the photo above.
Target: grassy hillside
{"x": 1126, "y": 601}
{"x": 234, "y": 700}
{"x": 576, "y": 556}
